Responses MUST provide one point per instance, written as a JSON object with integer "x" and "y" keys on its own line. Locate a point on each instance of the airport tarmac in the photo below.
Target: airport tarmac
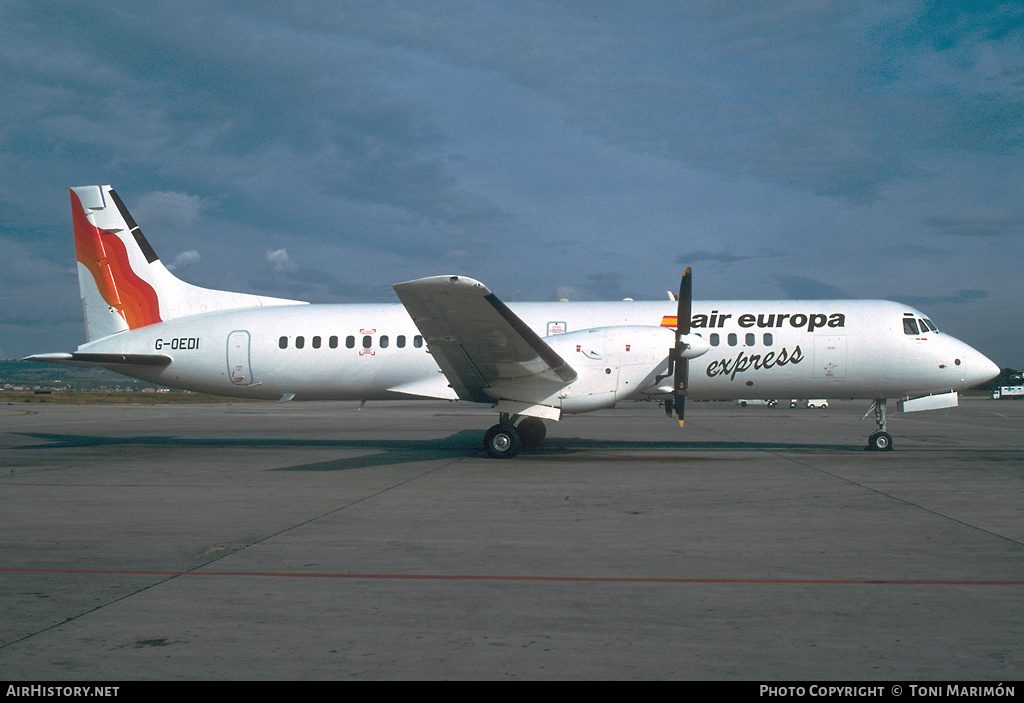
{"x": 315, "y": 541}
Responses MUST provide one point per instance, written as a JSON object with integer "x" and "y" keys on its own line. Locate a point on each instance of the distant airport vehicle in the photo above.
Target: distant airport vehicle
{"x": 744, "y": 402}
{"x": 450, "y": 337}
{"x": 1008, "y": 393}
{"x": 817, "y": 403}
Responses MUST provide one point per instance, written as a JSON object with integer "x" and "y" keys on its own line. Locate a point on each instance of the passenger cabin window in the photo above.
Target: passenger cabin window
{"x": 714, "y": 339}
{"x": 300, "y": 342}
{"x": 316, "y": 342}
{"x": 384, "y": 341}
{"x": 750, "y": 339}
{"x": 732, "y": 339}
{"x": 768, "y": 339}
{"x": 333, "y": 342}
{"x": 909, "y": 325}
{"x": 283, "y": 342}
{"x": 350, "y": 342}
{"x": 367, "y": 342}
{"x": 417, "y": 341}
{"x": 400, "y": 341}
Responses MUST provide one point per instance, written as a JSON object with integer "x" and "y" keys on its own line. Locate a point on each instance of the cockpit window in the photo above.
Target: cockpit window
{"x": 909, "y": 325}
{"x": 928, "y": 325}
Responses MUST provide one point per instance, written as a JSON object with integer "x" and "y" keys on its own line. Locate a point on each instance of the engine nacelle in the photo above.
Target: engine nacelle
{"x": 613, "y": 363}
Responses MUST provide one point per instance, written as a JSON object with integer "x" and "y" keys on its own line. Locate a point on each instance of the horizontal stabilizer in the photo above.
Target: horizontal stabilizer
{"x": 87, "y": 359}
{"x": 480, "y": 344}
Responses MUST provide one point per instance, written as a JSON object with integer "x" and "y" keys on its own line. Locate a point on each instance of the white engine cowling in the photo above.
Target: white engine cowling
{"x": 613, "y": 363}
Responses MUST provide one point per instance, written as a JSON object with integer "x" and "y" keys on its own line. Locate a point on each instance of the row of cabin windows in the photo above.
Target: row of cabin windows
{"x": 383, "y": 342}
{"x": 750, "y": 339}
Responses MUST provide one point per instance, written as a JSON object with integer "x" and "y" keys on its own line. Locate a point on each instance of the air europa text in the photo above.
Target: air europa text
{"x": 811, "y": 321}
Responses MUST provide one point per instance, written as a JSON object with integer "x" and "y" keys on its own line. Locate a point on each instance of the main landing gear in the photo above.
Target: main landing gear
{"x": 880, "y": 441}
{"x": 506, "y": 439}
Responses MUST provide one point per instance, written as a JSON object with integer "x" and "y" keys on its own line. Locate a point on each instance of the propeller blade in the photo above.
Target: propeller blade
{"x": 681, "y": 364}
{"x": 684, "y": 302}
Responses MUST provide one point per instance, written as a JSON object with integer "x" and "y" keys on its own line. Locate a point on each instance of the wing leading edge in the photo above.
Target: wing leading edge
{"x": 484, "y": 350}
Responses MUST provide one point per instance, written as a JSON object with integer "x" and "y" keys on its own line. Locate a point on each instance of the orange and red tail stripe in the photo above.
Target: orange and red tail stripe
{"x": 105, "y": 256}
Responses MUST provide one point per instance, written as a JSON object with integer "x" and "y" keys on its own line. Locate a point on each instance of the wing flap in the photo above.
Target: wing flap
{"x": 480, "y": 344}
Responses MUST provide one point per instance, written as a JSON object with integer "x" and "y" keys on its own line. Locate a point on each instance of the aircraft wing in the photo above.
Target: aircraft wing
{"x": 484, "y": 350}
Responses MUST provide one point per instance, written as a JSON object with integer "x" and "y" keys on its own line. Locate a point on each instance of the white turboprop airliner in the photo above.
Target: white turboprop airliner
{"x": 452, "y": 338}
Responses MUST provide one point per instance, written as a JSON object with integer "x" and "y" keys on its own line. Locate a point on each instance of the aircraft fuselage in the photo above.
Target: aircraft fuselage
{"x": 759, "y": 349}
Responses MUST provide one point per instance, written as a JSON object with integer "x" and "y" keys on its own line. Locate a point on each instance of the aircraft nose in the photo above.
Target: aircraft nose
{"x": 979, "y": 367}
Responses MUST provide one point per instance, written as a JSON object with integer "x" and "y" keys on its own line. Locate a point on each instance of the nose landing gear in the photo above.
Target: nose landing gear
{"x": 880, "y": 441}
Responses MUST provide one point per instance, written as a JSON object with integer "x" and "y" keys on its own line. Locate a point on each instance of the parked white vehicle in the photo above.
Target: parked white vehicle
{"x": 817, "y": 403}
{"x": 1008, "y": 392}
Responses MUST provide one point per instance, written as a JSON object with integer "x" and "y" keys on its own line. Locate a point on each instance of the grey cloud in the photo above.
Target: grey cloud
{"x": 279, "y": 260}
{"x": 800, "y": 288}
{"x": 184, "y": 260}
{"x": 725, "y": 257}
{"x": 979, "y": 224}
{"x": 961, "y": 297}
{"x": 911, "y": 250}
{"x": 167, "y": 210}
{"x": 194, "y": 92}
{"x": 605, "y": 285}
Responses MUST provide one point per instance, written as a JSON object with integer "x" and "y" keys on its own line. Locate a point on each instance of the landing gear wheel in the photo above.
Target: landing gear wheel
{"x": 880, "y": 442}
{"x": 532, "y": 431}
{"x": 503, "y": 441}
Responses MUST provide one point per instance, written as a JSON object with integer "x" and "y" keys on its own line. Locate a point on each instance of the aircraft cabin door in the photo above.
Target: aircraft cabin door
{"x": 239, "y": 370}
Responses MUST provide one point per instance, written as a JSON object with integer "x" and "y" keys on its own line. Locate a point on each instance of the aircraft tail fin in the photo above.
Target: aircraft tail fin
{"x": 123, "y": 283}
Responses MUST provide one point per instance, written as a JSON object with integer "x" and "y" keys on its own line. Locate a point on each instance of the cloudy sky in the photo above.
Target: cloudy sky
{"x": 585, "y": 150}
